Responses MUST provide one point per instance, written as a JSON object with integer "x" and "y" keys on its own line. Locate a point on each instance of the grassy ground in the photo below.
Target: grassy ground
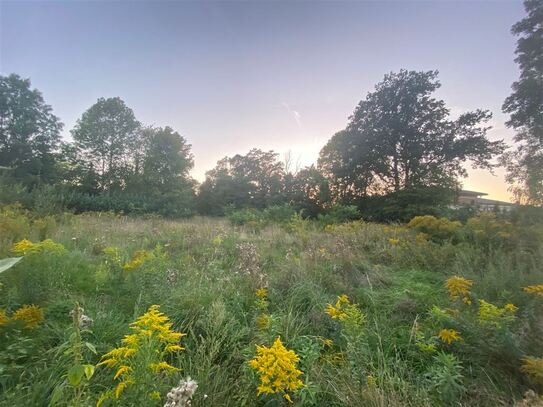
{"x": 205, "y": 273}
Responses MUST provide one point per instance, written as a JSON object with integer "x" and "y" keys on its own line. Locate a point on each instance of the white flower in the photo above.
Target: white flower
{"x": 181, "y": 395}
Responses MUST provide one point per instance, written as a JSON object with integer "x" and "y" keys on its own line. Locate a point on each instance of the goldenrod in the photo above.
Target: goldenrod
{"x": 30, "y": 315}
{"x": 277, "y": 368}
{"x": 449, "y": 336}
{"x": 459, "y": 287}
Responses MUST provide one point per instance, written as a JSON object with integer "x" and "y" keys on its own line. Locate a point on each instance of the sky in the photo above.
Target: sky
{"x": 281, "y": 75}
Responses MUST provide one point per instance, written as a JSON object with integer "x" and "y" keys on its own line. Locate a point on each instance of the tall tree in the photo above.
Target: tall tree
{"x": 29, "y": 132}
{"x": 525, "y": 105}
{"x": 107, "y": 136}
{"x": 167, "y": 160}
{"x": 251, "y": 180}
{"x": 401, "y": 137}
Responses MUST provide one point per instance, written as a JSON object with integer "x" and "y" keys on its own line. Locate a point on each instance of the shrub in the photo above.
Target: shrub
{"x": 439, "y": 229}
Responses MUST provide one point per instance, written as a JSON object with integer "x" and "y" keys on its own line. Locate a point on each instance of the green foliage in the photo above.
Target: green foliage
{"x": 446, "y": 379}
{"x": 29, "y": 133}
{"x": 439, "y": 229}
{"x": 525, "y": 163}
{"x": 339, "y": 214}
{"x": 401, "y": 137}
{"x": 387, "y": 350}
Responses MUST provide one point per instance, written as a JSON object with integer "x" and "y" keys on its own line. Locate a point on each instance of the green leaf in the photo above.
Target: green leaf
{"x": 91, "y": 347}
{"x": 75, "y": 374}
{"x": 8, "y": 263}
{"x": 57, "y": 395}
{"x": 89, "y": 371}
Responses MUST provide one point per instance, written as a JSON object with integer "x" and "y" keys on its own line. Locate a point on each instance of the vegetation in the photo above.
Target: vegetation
{"x": 111, "y": 310}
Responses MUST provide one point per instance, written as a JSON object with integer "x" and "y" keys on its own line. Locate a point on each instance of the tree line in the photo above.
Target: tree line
{"x": 400, "y": 154}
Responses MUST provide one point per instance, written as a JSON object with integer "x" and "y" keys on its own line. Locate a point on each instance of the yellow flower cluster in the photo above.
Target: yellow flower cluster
{"x": 29, "y": 315}
{"x": 339, "y": 310}
{"x": 25, "y": 246}
{"x": 139, "y": 257}
{"x": 491, "y": 315}
{"x": 151, "y": 340}
{"x": 263, "y": 321}
{"x": 449, "y": 336}
{"x": 533, "y": 367}
{"x": 534, "y": 289}
{"x": 394, "y": 241}
{"x": 262, "y": 293}
{"x": 459, "y": 287}
{"x": 3, "y": 317}
{"x": 277, "y": 368}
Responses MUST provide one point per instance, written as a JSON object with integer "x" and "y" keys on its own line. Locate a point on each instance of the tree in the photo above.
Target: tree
{"x": 400, "y": 137}
{"x": 308, "y": 191}
{"x": 167, "y": 160}
{"x": 107, "y": 136}
{"x": 525, "y": 105}
{"x": 251, "y": 180}
{"x": 29, "y": 132}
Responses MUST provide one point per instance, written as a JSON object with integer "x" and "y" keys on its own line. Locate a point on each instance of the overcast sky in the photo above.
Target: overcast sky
{"x": 285, "y": 76}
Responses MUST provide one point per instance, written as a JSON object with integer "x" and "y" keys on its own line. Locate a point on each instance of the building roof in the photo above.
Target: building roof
{"x": 465, "y": 192}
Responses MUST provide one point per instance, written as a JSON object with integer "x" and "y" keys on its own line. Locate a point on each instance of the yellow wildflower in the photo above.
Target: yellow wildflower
{"x": 394, "y": 241}
{"x": 158, "y": 367}
{"x": 277, "y": 369}
{"x": 154, "y": 395}
{"x": 491, "y": 315}
{"x": 459, "y": 287}
{"x": 263, "y": 321}
{"x": 533, "y": 367}
{"x": 4, "y": 319}
{"x": 122, "y": 369}
{"x": 511, "y": 307}
{"x": 137, "y": 260}
{"x": 31, "y": 315}
{"x": 262, "y": 293}
{"x": 372, "y": 383}
{"x": 151, "y": 340}
{"x": 346, "y": 312}
{"x": 22, "y": 247}
{"x": 449, "y": 336}
{"x": 534, "y": 289}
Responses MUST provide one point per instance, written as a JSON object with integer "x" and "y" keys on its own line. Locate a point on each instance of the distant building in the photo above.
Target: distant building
{"x": 473, "y": 198}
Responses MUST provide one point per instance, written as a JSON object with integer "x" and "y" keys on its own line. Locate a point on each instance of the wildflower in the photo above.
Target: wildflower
{"x": 30, "y": 315}
{"x": 277, "y": 368}
{"x": 4, "y": 319}
{"x": 181, "y": 395}
{"x": 22, "y": 247}
{"x": 459, "y": 287}
{"x": 371, "y": 382}
{"x": 510, "y": 307}
{"x": 160, "y": 366}
{"x": 491, "y": 315}
{"x": 137, "y": 260}
{"x": 426, "y": 347}
{"x": 154, "y": 395}
{"x": 85, "y": 322}
{"x": 533, "y": 367}
{"x": 25, "y": 246}
{"x": 422, "y": 237}
{"x": 262, "y": 293}
{"x": 217, "y": 241}
{"x": 534, "y": 289}
{"x": 393, "y": 241}
{"x": 338, "y": 311}
{"x": 328, "y": 343}
{"x": 263, "y": 321}
{"x": 151, "y": 340}
{"x": 449, "y": 336}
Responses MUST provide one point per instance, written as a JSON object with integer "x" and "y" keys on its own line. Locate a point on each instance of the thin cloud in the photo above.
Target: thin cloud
{"x": 297, "y": 116}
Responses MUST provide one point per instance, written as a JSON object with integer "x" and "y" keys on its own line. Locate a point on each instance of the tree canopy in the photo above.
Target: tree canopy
{"x": 525, "y": 106}
{"x": 29, "y": 132}
{"x": 401, "y": 137}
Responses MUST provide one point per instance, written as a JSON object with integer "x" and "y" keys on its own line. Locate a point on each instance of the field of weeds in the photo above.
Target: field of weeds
{"x": 117, "y": 311}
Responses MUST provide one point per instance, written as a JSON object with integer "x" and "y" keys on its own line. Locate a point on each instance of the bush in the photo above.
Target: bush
{"x": 340, "y": 214}
{"x": 439, "y": 229}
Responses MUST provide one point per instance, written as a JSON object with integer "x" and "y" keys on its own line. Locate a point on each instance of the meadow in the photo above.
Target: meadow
{"x": 111, "y": 310}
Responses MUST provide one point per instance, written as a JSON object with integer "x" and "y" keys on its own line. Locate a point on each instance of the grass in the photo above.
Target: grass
{"x": 204, "y": 272}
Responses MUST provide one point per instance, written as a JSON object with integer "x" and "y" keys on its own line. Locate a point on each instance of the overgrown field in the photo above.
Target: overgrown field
{"x": 426, "y": 314}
